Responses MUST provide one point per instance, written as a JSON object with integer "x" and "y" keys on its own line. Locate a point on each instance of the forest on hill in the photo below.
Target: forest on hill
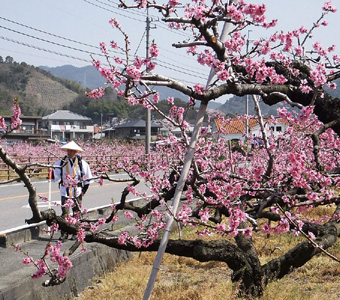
{"x": 41, "y": 93}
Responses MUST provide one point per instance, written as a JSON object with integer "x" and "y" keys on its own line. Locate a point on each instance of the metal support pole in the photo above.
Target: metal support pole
{"x": 181, "y": 182}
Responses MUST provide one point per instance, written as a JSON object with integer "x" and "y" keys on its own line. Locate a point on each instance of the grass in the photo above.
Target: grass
{"x": 183, "y": 278}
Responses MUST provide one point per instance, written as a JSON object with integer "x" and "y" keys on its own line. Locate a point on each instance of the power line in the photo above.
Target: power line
{"x": 135, "y": 13}
{"x": 48, "y": 33}
{"x": 85, "y": 60}
{"x": 47, "y": 41}
{"x": 180, "y": 55}
{"x": 42, "y": 49}
{"x": 84, "y": 51}
{"x": 120, "y": 14}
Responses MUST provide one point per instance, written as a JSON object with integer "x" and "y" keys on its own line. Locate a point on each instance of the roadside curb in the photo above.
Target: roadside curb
{"x": 97, "y": 260}
{"x": 16, "y": 282}
{"x": 27, "y": 233}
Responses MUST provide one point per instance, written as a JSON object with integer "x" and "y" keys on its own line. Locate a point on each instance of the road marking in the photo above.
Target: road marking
{"x": 46, "y": 181}
{"x": 44, "y": 204}
{"x": 53, "y": 192}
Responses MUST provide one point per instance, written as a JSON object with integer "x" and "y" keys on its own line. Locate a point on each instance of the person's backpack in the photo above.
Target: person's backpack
{"x": 80, "y": 165}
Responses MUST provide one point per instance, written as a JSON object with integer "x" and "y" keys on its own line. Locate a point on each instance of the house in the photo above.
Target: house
{"x": 235, "y": 129}
{"x": 177, "y": 132}
{"x": 66, "y": 125}
{"x": 134, "y": 129}
{"x": 29, "y": 130}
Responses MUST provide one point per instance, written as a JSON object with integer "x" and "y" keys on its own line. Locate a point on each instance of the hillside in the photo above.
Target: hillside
{"x": 89, "y": 77}
{"x": 38, "y": 91}
{"x": 43, "y": 90}
{"x": 237, "y": 106}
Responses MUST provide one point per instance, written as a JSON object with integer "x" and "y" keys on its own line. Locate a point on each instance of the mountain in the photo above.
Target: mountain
{"x": 89, "y": 77}
{"x": 237, "y": 106}
{"x": 38, "y": 91}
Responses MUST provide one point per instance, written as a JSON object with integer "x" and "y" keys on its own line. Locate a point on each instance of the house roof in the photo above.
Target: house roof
{"x": 66, "y": 115}
{"x": 233, "y": 126}
{"x": 137, "y": 123}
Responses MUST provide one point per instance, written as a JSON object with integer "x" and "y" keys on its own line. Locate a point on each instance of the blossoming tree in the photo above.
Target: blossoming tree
{"x": 262, "y": 189}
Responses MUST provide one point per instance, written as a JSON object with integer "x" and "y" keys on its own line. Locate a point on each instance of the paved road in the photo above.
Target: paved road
{"x": 14, "y": 207}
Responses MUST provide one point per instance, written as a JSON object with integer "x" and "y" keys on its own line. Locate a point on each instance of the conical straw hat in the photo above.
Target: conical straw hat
{"x": 71, "y": 146}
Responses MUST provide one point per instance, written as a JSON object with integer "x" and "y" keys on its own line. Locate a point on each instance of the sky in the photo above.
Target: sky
{"x": 65, "y": 32}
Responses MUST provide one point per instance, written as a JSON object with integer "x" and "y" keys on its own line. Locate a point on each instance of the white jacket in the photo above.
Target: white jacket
{"x": 64, "y": 190}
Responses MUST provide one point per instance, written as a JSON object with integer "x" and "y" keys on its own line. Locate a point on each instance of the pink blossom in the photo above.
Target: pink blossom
{"x": 133, "y": 72}
{"x": 223, "y": 75}
{"x": 154, "y": 50}
{"x": 311, "y": 235}
{"x": 128, "y": 215}
{"x": 266, "y": 228}
{"x": 81, "y": 235}
{"x": 96, "y": 93}
{"x": 114, "y": 45}
{"x": 103, "y": 48}
{"x": 192, "y": 50}
{"x": 155, "y": 97}
{"x": 305, "y": 89}
{"x": 149, "y": 64}
{"x": 27, "y": 260}
{"x": 248, "y": 232}
{"x": 2, "y": 123}
{"x": 114, "y": 23}
{"x": 204, "y": 214}
{"x": 42, "y": 268}
{"x": 298, "y": 50}
{"x": 328, "y": 6}
{"x": 64, "y": 265}
{"x": 332, "y": 85}
{"x": 138, "y": 62}
{"x": 221, "y": 227}
{"x": 199, "y": 89}
{"x": 173, "y": 3}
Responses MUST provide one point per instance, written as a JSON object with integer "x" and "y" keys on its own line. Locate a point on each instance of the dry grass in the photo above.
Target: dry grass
{"x": 179, "y": 279}
{"x": 186, "y": 279}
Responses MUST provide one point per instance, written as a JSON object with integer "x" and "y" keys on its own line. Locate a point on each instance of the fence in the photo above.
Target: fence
{"x": 6, "y": 173}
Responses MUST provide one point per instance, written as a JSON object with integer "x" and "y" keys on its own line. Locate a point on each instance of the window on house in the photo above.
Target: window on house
{"x": 278, "y": 128}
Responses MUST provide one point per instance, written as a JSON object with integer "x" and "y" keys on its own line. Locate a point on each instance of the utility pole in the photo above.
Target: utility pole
{"x": 148, "y": 112}
{"x": 247, "y": 107}
{"x": 101, "y": 125}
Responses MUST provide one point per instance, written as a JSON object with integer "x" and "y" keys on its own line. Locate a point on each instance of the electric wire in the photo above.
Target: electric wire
{"x": 141, "y": 14}
{"x": 166, "y": 66}
{"x": 71, "y": 40}
{"x": 120, "y": 14}
{"x": 185, "y": 70}
{"x": 42, "y": 49}
{"x": 48, "y": 33}
{"x": 159, "y": 61}
{"x": 47, "y": 41}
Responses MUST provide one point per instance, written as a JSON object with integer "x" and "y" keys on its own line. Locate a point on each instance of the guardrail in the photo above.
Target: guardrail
{"x": 6, "y": 173}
